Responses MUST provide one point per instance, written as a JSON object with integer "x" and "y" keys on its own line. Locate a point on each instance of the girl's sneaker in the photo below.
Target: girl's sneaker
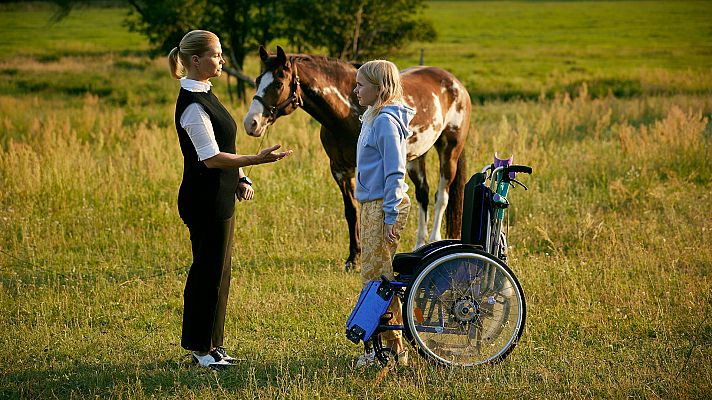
{"x": 368, "y": 358}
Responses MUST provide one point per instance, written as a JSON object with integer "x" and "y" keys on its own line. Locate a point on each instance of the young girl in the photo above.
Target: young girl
{"x": 380, "y": 182}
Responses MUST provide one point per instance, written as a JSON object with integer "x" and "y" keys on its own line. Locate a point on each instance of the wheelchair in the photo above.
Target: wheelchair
{"x": 462, "y": 304}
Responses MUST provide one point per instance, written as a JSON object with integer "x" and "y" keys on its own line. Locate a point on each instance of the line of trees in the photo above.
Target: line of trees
{"x": 345, "y": 29}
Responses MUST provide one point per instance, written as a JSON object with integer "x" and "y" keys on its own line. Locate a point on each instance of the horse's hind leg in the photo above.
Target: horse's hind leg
{"x": 416, "y": 172}
{"x": 449, "y": 154}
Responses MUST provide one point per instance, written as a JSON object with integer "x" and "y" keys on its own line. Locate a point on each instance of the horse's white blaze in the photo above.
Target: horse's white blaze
{"x": 254, "y": 114}
{"x": 267, "y": 79}
{"x": 440, "y": 205}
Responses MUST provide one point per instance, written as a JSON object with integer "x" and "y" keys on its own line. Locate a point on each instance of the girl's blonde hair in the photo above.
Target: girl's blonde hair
{"x": 194, "y": 43}
{"x": 385, "y": 76}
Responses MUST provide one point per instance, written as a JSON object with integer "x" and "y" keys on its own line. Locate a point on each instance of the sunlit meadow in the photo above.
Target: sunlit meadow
{"x": 611, "y": 242}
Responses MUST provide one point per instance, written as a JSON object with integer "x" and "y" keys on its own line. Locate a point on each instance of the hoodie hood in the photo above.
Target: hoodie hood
{"x": 402, "y": 114}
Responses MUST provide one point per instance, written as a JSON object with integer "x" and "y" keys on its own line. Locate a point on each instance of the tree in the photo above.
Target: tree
{"x": 347, "y": 29}
{"x": 356, "y": 29}
{"x": 242, "y": 25}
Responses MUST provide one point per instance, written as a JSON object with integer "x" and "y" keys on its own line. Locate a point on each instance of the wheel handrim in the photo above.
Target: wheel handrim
{"x": 465, "y": 337}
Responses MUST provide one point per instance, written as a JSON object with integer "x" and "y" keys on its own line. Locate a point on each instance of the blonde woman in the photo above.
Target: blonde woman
{"x": 380, "y": 182}
{"x": 212, "y": 177}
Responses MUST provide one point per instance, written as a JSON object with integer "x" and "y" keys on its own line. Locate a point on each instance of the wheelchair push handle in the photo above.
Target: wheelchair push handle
{"x": 525, "y": 169}
{"x": 507, "y": 173}
{"x": 507, "y": 169}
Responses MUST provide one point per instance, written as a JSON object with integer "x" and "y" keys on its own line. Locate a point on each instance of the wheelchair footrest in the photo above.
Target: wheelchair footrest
{"x": 372, "y": 303}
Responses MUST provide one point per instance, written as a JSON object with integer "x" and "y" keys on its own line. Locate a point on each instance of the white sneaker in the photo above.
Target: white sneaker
{"x": 403, "y": 358}
{"x": 223, "y": 354}
{"x": 209, "y": 361}
{"x": 366, "y": 359}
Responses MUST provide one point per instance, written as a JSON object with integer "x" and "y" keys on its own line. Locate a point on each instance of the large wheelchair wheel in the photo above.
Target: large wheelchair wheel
{"x": 464, "y": 308}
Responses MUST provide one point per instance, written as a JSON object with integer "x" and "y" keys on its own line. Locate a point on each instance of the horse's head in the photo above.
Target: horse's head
{"x": 278, "y": 92}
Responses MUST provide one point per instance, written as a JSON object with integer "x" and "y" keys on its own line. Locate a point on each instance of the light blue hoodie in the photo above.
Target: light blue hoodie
{"x": 381, "y": 157}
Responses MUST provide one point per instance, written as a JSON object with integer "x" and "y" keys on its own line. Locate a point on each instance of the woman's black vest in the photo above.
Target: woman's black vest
{"x": 206, "y": 194}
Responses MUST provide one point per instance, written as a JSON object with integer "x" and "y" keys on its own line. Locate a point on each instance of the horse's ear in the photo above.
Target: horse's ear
{"x": 281, "y": 56}
{"x": 263, "y": 54}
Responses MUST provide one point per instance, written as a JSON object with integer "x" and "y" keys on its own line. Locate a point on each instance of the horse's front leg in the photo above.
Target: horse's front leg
{"x": 342, "y": 162}
{"x": 345, "y": 179}
{"x": 416, "y": 172}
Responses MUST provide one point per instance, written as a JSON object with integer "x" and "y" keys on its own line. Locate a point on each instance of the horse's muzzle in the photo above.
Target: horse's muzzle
{"x": 255, "y": 124}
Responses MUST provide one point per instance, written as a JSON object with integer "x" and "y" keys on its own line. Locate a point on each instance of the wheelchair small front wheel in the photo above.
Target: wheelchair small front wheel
{"x": 464, "y": 308}
{"x": 383, "y": 354}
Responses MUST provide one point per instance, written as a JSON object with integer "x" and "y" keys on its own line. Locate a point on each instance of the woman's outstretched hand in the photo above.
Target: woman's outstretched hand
{"x": 268, "y": 155}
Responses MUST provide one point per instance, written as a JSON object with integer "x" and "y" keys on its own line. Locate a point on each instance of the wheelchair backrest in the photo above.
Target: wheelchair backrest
{"x": 477, "y": 210}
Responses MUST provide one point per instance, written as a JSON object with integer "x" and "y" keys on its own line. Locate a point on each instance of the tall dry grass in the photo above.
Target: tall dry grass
{"x": 611, "y": 244}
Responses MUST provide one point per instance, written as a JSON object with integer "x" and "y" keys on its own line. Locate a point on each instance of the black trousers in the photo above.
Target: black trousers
{"x": 208, "y": 285}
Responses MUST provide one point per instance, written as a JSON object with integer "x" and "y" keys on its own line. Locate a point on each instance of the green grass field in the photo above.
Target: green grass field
{"x": 525, "y": 49}
{"x": 610, "y": 102}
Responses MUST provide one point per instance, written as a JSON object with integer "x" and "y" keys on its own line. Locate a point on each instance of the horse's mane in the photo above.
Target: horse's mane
{"x": 322, "y": 59}
{"x": 271, "y": 62}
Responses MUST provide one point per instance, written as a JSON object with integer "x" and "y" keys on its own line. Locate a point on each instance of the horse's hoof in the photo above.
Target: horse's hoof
{"x": 350, "y": 266}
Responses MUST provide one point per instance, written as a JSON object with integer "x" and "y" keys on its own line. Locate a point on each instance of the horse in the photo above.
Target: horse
{"x": 323, "y": 87}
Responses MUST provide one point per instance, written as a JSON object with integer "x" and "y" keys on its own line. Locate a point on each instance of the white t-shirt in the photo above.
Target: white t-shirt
{"x": 197, "y": 123}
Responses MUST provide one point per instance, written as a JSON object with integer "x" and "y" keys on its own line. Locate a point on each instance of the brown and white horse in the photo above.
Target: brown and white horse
{"x": 323, "y": 87}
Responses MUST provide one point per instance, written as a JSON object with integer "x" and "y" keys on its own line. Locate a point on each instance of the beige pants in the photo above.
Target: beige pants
{"x": 377, "y": 254}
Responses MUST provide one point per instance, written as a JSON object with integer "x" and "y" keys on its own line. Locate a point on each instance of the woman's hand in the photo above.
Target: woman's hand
{"x": 268, "y": 155}
{"x": 389, "y": 233}
{"x": 229, "y": 160}
{"x": 245, "y": 191}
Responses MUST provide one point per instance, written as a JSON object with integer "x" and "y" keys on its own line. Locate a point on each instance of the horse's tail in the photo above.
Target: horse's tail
{"x": 453, "y": 212}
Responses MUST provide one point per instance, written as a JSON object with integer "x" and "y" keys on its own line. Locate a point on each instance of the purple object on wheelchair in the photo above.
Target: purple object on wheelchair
{"x": 504, "y": 163}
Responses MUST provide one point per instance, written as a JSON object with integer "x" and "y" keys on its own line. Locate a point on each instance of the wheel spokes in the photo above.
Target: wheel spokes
{"x": 466, "y": 311}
